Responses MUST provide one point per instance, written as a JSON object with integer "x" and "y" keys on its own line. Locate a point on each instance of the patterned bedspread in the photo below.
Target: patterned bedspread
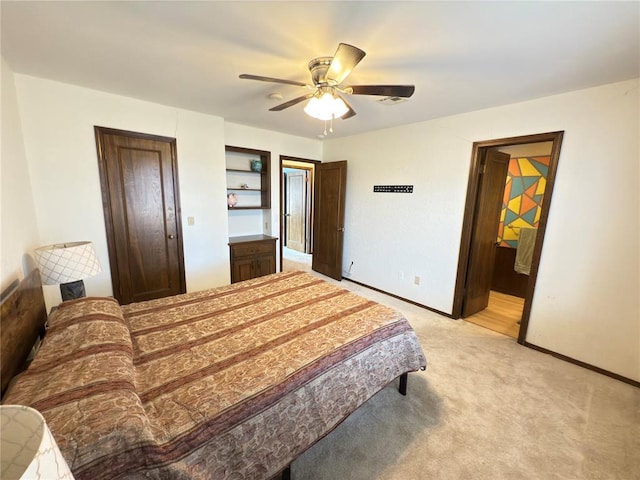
{"x": 232, "y": 382}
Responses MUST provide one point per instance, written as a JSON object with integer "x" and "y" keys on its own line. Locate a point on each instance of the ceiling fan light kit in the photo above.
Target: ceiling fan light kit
{"x": 327, "y": 74}
{"x": 326, "y": 107}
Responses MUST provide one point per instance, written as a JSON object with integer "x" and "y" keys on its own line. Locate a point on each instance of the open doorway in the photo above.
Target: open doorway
{"x": 296, "y": 208}
{"x": 317, "y": 210}
{"x": 510, "y": 186}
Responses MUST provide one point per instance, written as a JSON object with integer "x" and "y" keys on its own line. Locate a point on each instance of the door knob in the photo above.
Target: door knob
{"x": 171, "y": 236}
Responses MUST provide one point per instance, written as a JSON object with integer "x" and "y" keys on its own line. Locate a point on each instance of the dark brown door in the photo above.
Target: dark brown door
{"x": 296, "y": 202}
{"x": 328, "y": 221}
{"x": 139, "y": 179}
{"x": 494, "y": 167}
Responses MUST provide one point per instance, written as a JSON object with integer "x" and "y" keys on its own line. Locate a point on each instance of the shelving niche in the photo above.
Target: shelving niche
{"x": 252, "y": 252}
{"x": 257, "y": 191}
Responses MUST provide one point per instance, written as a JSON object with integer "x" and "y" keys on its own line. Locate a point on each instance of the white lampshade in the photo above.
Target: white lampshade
{"x": 27, "y": 449}
{"x": 326, "y": 107}
{"x": 67, "y": 262}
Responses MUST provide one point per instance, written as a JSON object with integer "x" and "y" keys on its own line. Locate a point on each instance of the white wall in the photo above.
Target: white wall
{"x": 19, "y": 229}
{"x": 278, "y": 144}
{"x": 586, "y": 300}
{"x": 58, "y": 121}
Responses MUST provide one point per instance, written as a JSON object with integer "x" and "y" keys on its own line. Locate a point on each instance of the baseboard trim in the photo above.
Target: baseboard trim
{"x": 560, "y": 356}
{"x": 399, "y": 298}
{"x": 588, "y": 366}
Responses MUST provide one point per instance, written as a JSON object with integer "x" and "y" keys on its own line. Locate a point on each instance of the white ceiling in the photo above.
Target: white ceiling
{"x": 461, "y": 56}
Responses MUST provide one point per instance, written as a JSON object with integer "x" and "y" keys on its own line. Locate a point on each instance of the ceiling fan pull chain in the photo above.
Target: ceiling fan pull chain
{"x": 331, "y": 124}
{"x": 325, "y": 127}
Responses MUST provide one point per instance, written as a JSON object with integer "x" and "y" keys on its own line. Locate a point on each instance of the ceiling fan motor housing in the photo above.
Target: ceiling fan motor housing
{"x": 318, "y": 68}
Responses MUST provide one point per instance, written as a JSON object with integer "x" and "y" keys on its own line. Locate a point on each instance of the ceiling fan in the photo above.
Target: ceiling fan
{"x": 328, "y": 74}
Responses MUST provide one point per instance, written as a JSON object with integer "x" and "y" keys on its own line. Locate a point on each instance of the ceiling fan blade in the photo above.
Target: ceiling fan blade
{"x": 350, "y": 113}
{"x": 247, "y": 76}
{"x": 290, "y": 103}
{"x": 344, "y": 61}
{"x": 383, "y": 90}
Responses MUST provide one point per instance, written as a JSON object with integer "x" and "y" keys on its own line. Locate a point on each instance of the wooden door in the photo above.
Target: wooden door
{"x": 328, "y": 221}
{"x": 494, "y": 167}
{"x": 295, "y": 209}
{"x": 139, "y": 179}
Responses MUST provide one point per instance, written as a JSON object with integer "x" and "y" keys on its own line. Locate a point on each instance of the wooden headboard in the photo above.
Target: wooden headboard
{"x": 22, "y": 318}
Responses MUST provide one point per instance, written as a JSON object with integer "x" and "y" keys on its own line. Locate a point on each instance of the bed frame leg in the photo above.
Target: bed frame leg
{"x": 403, "y": 383}
{"x": 286, "y": 473}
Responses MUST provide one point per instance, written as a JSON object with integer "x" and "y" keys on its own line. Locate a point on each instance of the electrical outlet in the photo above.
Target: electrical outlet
{"x": 191, "y": 221}
{"x": 416, "y": 280}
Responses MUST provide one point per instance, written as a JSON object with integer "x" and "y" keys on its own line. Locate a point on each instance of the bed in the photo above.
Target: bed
{"x": 231, "y": 382}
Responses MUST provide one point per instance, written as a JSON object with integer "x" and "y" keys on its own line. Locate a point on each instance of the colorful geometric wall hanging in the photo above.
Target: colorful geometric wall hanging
{"x": 523, "y": 193}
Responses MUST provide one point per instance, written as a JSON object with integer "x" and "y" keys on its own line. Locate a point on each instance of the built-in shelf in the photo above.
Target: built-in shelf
{"x": 243, "y": 171}
{"x": 257, "y": 195}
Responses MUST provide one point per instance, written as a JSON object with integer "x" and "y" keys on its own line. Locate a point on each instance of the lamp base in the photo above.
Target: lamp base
{"x": 72, "y": 290}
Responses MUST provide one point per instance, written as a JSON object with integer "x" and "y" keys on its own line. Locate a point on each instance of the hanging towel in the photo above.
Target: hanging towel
{"x": 524, "y": 251}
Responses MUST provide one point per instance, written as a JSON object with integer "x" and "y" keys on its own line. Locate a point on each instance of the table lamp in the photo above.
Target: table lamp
{"x": 27, "y": 448}
{"x": 67, "y": 264}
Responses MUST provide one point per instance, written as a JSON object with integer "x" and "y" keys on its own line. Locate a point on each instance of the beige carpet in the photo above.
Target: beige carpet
{"x": 486, "y": 408}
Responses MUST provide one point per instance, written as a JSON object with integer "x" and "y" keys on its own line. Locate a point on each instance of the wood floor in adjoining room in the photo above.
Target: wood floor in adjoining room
{"x": 502, "y": 315}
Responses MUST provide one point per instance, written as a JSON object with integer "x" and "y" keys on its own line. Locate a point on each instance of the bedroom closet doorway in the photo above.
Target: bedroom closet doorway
{"x": 297, "y": 176}
{"x": 139, "y": 181}
{"x": 508, "y": 199}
